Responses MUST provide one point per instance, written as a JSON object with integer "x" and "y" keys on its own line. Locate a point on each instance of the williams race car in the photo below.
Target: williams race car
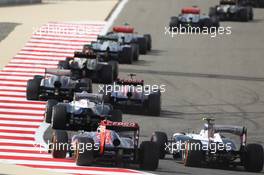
{"x": 132, "y": 95}
{"x": 127, "y": 35}
{"x": 89, "y": 65}
{"x": 215, "y": 145}
{"x": 231, "y": 10}
{"x": 59, "y": 86}
{"x": 115, "y": 143}
{"x": 83, "y": 113}
{"x": 191, "y": 19}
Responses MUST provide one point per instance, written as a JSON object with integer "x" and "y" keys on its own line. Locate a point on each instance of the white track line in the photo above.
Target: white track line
{"x": 113, "y": 16}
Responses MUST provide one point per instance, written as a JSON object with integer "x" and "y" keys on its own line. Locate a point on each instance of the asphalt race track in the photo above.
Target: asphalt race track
{"x": 220, "y": 77}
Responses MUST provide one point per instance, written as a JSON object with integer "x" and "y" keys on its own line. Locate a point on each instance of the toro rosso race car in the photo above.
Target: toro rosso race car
{"x": 59, "y": 85}
{"x": 89, "y": 65}
{"x": 190, "y": 18}
{"x": 127, "y": 35}
{"x": 83, "y": 113}
{"x": 115, "y": 143}
{"x": 215, "y": 145}
{"x": 119, "y": 51}
{"x": 131, "y": 96}
{"x": 231, "y": 10}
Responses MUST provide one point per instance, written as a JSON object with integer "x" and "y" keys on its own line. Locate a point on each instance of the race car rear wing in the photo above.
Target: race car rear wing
{"x": 60, "y": 72}
{"x": 107, "y": 38}
{"x": 236, "y": 130}
{"x": 120, "y": 126}
{"x": 84, "y": 55}
{"x": 90, "y": 96}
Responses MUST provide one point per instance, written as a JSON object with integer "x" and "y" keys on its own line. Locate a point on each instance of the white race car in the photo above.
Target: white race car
{"x": 214, "y": 145}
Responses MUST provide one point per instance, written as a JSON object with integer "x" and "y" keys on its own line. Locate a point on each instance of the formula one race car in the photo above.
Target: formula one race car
{"x": 190, "y": 18}
{"x": 115, "y": 49}
{"x": 231, "y": 10}
{"x": 90, "y": 66}
{"x": 59, "y": 86}
{"x": 215, "y": 145}
{"x": 132, "y": 95}
{"x": 115, "y": 143}
{"x": 127, "y": 35}
{"x": 83, "y": 113}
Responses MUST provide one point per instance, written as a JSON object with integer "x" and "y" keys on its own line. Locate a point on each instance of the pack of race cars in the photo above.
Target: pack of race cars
{"x": 226, "y": 10}
{"x": 97, "y": 117}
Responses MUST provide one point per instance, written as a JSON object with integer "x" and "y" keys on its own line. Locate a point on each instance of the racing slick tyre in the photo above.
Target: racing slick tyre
{"x": 84, "y": 154}
{"x": 115, "y": 68}
{"x": 193, "y": 154}
{"x": 48, "y": 112}
{"x": 148, "y": 155}
{"x": 162, "y": 140}
{"x": 60, "y": 145}
{"x": 149, "y": 41}
{"x": 127, "y": 55}
{"x": 135, "y": 50}
{"x": 85, "y": 85}
{"x": 253, "y": 159}
{"x": 143, "y": 45}
{"x": 33, "y": 86}
{"x": 244, "y": 15}
{"x": 251, "y": 13}
{"x": 116, "y": 115}
{"x": 154, "y": 104}
{"x": 107, "y": 74}
{"x": 212, "y": 12}
{"x": 173, "y": 23}
{"x": 59, "y": 114}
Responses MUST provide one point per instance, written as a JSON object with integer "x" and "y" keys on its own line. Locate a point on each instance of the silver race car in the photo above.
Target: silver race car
{"x": 83, "y": 113}
{"x": 56, "y": 84}
{"x": 215, "y": 145}
{"x": 232, "y": 10}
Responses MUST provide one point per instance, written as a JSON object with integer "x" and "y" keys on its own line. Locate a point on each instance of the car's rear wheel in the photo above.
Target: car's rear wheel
{"x": 162, "y": 140}
{"x": 107, "y": 74}
{"x": 48, "y": 112}
{"x": 149, "y": 41}
{"x": 173, "y": 23}
{"x": 135, "y": 49}
{"x": 154, "y": 104}
{"x": 253, "y": 159}
{"x": 59, "y": 144}
{"x": 115, "y": 67}
{"x": 192, "y": 156}
{"x": 59, "y": 117}
{"x": 244, "y": 15}
{"x": 32, "y": 92}
{"x": 143, "y": 45}
{"x": 212, "y": 11}
{"x": 84, "y": 155}
{"x": 127, "y": 55}
{"x": 148, "y": 155}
